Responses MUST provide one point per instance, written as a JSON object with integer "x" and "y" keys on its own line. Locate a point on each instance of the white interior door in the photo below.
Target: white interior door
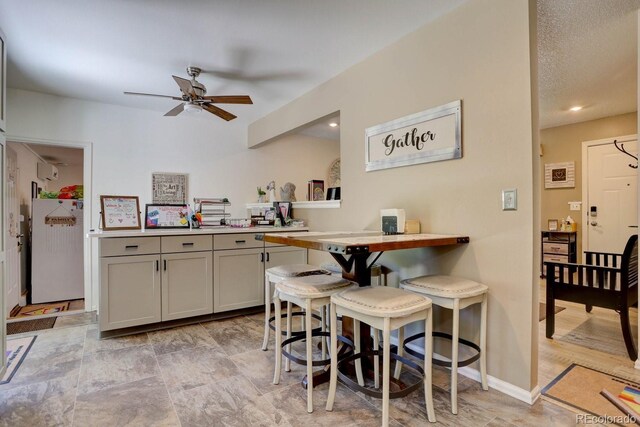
{"x": 611, "y": 207}
{"x": 12, "y": 230}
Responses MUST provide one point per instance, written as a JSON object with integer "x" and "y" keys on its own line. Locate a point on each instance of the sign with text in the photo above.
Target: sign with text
{"x": 428, "y": 136}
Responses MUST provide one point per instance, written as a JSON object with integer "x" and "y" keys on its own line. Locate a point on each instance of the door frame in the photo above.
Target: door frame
{"x": 584, "y": 224}
{"x": 90, "y": 291}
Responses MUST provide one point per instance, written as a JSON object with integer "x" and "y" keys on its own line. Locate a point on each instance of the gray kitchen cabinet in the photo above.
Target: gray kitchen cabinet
{"x": 187, "y": 289}
{"x": 129, "y": 291}
{"x": 282, "y": 255}
{"x": 238, "y": 277}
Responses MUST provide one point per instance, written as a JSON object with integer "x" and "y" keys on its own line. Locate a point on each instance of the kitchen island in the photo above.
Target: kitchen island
{"x": 152, "y": 279}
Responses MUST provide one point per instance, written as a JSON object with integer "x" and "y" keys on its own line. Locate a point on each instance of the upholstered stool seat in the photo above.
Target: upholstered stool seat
{"x": 454, "y": 293}
{"x": 309, "y": 293}
{"x": 385, "y": 309}
{"x": 275, "y": 275}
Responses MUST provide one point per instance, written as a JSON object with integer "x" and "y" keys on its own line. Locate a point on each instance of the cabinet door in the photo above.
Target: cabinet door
{"x": 238, "y": 278}
{"x": 187, "y": 285}
{"x": 129, "y": 291}
{"x": 285, "y": 255}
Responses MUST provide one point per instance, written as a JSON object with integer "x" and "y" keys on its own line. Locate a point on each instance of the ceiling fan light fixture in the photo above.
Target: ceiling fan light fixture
{"x": 191, "y": 107}
{"x": 576, "y": 108}
{"x": 333, "y": 124}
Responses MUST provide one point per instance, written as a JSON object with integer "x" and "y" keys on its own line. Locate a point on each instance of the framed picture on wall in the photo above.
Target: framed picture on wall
{"x": 560, "y": 175}
{"x": 120, "y": 212}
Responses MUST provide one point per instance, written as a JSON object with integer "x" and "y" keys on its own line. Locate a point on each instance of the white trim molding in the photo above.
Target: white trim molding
{"x": 529, "y": 397}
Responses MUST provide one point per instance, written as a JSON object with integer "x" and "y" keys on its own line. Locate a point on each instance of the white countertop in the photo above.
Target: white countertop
{"x": 101, "y": 234}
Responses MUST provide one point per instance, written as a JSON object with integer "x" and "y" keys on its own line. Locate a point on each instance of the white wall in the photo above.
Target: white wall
{"x": 129, "y": 144}
{"x": 67, "y": 175}
{"x": 28, "y": 172}
{"x": 479, "y": 53}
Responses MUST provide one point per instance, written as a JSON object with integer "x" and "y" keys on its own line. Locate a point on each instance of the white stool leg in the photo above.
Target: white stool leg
{"x": 483, "y": 343}
{"x": 323, "y": 328}
{"x": 386, "y": 355}
{"x": 356, "y": 339}
{"x": 309, "y": 331}
{"x": 267, "y": 311}
{"x": 376, "y": 358}
{"x": 396, "y": 373}
{"x": 287, "y": 362}
{"x": 454, "y": 356}
{"x": 278, "y": 344}
{"x": 333, "y": 379}
{"x": 428, "y": 369}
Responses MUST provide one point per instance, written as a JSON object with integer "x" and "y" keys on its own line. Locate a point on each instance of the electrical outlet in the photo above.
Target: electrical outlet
{"x": 510, "y": 200}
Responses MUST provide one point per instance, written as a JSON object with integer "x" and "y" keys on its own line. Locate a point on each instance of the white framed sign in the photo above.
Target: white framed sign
{"x": 169, "y": 188}
{"x": 428, "y": 136}
{"x": 560, "y": 175}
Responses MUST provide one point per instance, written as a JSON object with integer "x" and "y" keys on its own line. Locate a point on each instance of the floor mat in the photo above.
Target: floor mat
{"x": 30, "y": 325}
{"x": 17, "y": 349}
{"x": 39, "y": 309}
{"x": 542, "y": 311}
{"x": 580, "y": 387}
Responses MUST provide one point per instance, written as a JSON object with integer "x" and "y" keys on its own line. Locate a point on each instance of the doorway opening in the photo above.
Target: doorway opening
{"x": 48, "y": 262}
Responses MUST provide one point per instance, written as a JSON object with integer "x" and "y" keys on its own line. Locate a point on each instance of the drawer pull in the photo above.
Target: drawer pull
{"x": 187, "y": 244}
{"x": 241, "y": 241}
{"x": 131, "y": 247}
{"x": 157, "y": 265}
{"x": 165, "y": 265}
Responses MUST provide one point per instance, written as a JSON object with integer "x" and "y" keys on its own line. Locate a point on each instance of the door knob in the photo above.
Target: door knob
{"x": 594, "y": 223}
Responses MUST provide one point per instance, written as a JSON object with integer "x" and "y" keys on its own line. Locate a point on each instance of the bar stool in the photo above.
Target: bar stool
{"x": 309, "y": 293}
{"x": 453, "y": 293}
{"x": 378, "y": 271}
{"x": 385, "y": 309}
{"x": 275, "y": 275}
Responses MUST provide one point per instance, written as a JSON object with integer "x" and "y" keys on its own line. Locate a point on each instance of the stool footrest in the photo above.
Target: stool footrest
{"x": 353, "y": 385}
{"x": 297, "y": 313}
{"x": 439, "y": 362}
{"x": 314, "y": 333}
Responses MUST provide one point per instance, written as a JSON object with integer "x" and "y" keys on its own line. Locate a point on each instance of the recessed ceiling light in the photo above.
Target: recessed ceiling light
{"x": 576, "y": 108}
{"x": 333, "y": 124}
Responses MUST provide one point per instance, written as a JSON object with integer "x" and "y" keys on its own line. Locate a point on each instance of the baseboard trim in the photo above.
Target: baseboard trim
{"x": 637, "y": 364}
{"x": 509, "y": 389}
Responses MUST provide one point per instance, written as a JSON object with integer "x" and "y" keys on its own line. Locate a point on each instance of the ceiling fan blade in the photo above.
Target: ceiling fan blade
{"x": 176, "y": 110}
{"x": 218, "y": 112}
{"x": 152, "y": 94}
{"x": 185, "y": 86}
{"x": 229, "y": 99}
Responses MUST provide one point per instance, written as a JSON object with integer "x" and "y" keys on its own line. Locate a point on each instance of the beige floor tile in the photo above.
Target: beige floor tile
{"x": 181, "y": 338}
{"x": 93, "y": 343}
{"x": 231, "y": 402}
{"x": 76, "y": 320}
{"x": 104, "y": 369}
{"x": 236, "y": 335}
{"x": 139, "y": 403}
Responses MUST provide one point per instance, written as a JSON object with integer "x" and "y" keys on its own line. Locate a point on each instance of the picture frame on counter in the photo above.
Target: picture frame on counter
{"x": 120, "y": 213}
{"x": 428, "y": 136}
{"x": 166, "y": 215}
{"x": 552, "y": 225}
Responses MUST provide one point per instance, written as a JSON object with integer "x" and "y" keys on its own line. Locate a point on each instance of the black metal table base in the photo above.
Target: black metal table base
{"x": 439, "y": 362}
{"x": 302, "y": 336}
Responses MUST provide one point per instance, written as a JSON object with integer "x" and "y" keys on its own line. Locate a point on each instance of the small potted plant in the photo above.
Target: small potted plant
{"x": 261, "y": 194}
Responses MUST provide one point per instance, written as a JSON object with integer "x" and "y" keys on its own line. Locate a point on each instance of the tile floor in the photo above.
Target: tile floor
{"x": 213, "y": 374}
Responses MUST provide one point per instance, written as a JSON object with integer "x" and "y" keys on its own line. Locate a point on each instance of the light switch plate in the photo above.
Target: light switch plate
{"x": 575, "y": 206}
{"x": 510, "y": 200}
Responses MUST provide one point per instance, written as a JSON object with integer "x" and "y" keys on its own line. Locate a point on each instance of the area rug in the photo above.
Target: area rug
{"x": 30, "y": 325}
{"x": 542, "y": 311}
{"x": 600, "y": 334}
{"x": 17, "y": 350}
{"x": 579, "y": 387}
{"x": 39, "y": 309}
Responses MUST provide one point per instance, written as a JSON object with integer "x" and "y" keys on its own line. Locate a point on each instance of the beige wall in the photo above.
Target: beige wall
{"x": 564, "y": 144}
{"x": 478, "y": 53}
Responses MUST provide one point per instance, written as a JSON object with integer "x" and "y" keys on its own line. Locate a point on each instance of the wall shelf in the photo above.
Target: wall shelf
{"x": 319, "y": 204}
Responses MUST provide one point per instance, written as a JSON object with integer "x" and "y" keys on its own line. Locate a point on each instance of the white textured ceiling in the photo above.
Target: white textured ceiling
{"x": 587, "y": 56}
{"x": 272, "y": 50}
{"x": 61, "y": 156}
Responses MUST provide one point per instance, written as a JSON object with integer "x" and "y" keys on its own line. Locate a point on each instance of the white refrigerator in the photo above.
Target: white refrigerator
{"x": 57, "y": 258}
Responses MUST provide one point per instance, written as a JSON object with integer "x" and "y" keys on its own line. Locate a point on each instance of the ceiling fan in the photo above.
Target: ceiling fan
{"x": 193, "y": 97}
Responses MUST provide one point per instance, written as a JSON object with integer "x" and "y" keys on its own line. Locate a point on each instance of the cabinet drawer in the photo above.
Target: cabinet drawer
{"x": 555, "y": 258}
{"x": 119, "y": 246}
{"x": 186, "y": 243}
{"x": 236, "y": 241}
{"x": 555, "y": 248}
